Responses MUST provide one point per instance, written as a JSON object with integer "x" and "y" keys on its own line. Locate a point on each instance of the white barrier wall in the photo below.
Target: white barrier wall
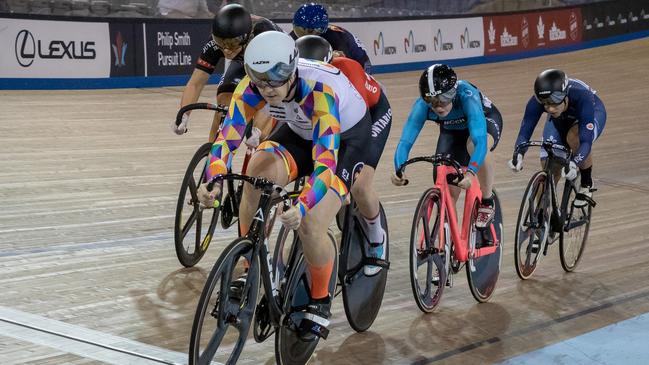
{"x": 419, "y": 40}
{"x": 405, "y": 41}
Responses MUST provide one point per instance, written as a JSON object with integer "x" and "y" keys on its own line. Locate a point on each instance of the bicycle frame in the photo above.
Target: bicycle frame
{"x": 463, "y": 249}
{"x": 550, "y": 186}
{"x": 258, "y": 236}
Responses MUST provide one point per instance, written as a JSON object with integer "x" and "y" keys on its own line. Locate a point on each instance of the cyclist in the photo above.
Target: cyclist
{"x": 468, "y": 121}
{"x": 232, "y": 29}
{"x": 317, "y": 48}
{"x": 325, "y": 135}
{"x": 576, "y": 116}
{"x": 312, "y": 19}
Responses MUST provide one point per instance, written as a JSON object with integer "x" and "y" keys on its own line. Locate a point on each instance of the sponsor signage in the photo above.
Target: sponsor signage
{"x": 126, "y": 49}
{"x": 51, "y": 49}
{"x": 601, "y": 20}
{"x": 419, "y": 40}
{"x": 173, "y": 48}
{"x": 529, "y": 31}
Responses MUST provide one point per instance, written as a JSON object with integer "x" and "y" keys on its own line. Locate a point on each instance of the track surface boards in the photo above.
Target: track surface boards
{"x": 88, "y": 187}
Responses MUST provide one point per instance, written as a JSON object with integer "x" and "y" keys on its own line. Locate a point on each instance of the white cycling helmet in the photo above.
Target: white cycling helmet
{"x": 271, "y": 58}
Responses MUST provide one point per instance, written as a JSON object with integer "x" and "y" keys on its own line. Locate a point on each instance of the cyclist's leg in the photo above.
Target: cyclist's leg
{"x": 453, "y": 142}
{"x": 486, "y": 173}
{"x": 369, "y": 142}
{"x": 555, "y": 135}
{"x": 573, "y": 139}
{"x": 318, "y": 251}
{"x": 280, "y": 159}
{"x": 265, "y": 123}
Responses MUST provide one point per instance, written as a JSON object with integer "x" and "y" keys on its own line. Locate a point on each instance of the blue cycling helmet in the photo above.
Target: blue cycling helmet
{"x": 312, "y": 16}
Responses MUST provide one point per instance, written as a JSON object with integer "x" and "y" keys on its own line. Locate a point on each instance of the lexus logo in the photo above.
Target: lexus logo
{"x": 25, "y": 48}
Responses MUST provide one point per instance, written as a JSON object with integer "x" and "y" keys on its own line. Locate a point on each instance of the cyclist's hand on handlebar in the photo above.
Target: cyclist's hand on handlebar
{"x": 465, "y": 183}
{"x": 518, "y": 166}
{"x": 208, "y": 198}
{"x": 183, "y": 127}
{"x": 291, "y": 218}
{"x": 254, "y": 139}
{"x": 399, "y": 181}
{"x": 570, "y": 171}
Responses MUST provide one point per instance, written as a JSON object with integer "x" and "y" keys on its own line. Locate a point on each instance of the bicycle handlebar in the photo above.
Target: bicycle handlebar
{"x": 206, "y": 106}
{"x": 439, "y": 159}
{"x": 548, "y": 146}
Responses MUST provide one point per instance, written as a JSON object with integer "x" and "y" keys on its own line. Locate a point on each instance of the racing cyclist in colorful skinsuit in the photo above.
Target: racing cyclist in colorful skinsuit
{"x": 232, "y": 28}
{"x": 325, "y": 136}
{"x": 312, "y": 19}
{"x": 576, "y": 116}
{"x": 317, "y": 48}
{"x": 468, "y": 123}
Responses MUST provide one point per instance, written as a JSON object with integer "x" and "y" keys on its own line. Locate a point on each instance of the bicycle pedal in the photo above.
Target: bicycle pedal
{"x": 373, "y": 261}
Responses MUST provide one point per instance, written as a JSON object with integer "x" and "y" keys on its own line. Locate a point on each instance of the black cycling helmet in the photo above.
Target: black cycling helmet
{"x": 551, "y": 87}
{"x": 438, "y": 83}
{"x": 232, "y": 21}
{"x": 314, "y": 47}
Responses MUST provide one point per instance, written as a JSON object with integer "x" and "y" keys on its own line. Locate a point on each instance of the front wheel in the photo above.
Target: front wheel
{"x": 191, "y": 236}
{"x": 482, "y": 272}
{"x": 222, "y": 320}
{"x": 428, "y": 272}
{"x": 290, "y": 348}
{"x": 532, "y": 226}
{"x": 574, "y": 235}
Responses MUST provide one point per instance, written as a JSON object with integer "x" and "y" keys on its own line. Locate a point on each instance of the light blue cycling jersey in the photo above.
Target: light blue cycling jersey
{"x": 467, "y": 113}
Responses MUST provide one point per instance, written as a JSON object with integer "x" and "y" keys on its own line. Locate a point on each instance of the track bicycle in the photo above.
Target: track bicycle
{"x": 439, "y": 247}
{"x": 542, "y": 220}
{"x": 191, "y": 237}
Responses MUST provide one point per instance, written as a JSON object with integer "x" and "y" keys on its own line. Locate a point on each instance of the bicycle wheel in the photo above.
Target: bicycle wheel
{"x": 221, "y": 321}
{"x": 191, "y": 239}
{"x": 532, "y": 226}
{"x": 428, "y": 272}
{"x": 362, "y": 295}
{"x": 482, "y": 272}
{"x": 574, "y": 235}
{"x": 290, "y": 348}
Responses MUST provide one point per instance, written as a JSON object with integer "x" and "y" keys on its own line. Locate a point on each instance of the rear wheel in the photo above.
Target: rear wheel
{"x": 428, "y": 272}
{"x": 483, "y": 272}
{"x": 532, "y": 226}
{"x": 574, "y": 235}
{"x": 193, "y": 226}
{"x": 362, "y": 294}
{"x": 221, "y": 320}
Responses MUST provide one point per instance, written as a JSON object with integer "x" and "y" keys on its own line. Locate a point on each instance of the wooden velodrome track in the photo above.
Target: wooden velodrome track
{"x": 88, "y": 187}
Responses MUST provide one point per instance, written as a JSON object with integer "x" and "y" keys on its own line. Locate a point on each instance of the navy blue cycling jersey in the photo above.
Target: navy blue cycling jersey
{"x": 582, "y": 106}
{"x": 342, "y": 40}
{"x": 467, "y": 113}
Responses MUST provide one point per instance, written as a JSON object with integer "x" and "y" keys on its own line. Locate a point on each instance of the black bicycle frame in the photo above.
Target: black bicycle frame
{"x": 257, "y": 234}
{"x": 550, "y": 184}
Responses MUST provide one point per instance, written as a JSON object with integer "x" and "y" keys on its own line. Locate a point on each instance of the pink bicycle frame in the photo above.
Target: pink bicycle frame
{"x": 462, "y": 251}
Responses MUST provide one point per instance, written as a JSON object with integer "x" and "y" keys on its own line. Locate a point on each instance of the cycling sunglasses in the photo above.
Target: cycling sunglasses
{"x": 441, "y": 99}
{"x": 263, "y": 84}
{"x": 301, "y": 31}
{"x": 554, "y": 99}
{"x": 230, "y": 43}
